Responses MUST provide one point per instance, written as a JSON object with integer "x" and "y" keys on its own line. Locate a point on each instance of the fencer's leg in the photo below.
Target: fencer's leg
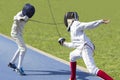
{"x": 21, "y": 57}
{"x": 74, "y": 55}
{"x": 22, "y": 47}
{"x": 12, "y": 62}
{"x": 104, "y": 75}
{"x": 87, "y": 55}
{"x": 89, "y": 61}
{"x": 15, "y": 56}
{"x": 19, "y": 68}
{"x": 73, "y": 70}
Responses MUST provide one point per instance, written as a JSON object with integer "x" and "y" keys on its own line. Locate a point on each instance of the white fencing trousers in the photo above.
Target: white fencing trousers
{"x": 20, "y": 53}
{"x": 87, "y": 55}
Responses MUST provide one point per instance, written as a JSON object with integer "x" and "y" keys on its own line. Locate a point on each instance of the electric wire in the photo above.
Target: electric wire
{"x": 38, "y": 21}
{"x": 53, "y": 17}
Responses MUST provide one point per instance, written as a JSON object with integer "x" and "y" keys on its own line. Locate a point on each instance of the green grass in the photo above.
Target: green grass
{"x": 44, "y": 36}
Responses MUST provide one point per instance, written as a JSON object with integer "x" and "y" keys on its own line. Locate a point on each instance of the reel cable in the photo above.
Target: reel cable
{"x": 53, "y": 17}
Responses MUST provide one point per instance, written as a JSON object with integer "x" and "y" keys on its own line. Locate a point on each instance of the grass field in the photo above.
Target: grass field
{"x": 44, "y": 36}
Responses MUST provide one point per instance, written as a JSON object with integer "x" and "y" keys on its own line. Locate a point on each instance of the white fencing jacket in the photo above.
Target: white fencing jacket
{"x": 18, "y": 24}
{"x": 78, "y": 37}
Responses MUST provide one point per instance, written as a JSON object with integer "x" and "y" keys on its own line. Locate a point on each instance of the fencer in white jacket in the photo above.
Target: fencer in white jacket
{"x": 20, "y": 19}
{"x": 84, "y": 48}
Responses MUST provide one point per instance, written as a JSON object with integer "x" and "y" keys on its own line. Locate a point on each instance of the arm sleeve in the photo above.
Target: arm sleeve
{"x": 90, "y": 25}
{"x": 19, "y": 17}
{"x": 68, "y": 44}
{"x": 24, "y": 18}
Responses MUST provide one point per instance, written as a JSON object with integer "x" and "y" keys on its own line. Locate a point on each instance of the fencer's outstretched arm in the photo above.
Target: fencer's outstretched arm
{"x": 93, "y": 24}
